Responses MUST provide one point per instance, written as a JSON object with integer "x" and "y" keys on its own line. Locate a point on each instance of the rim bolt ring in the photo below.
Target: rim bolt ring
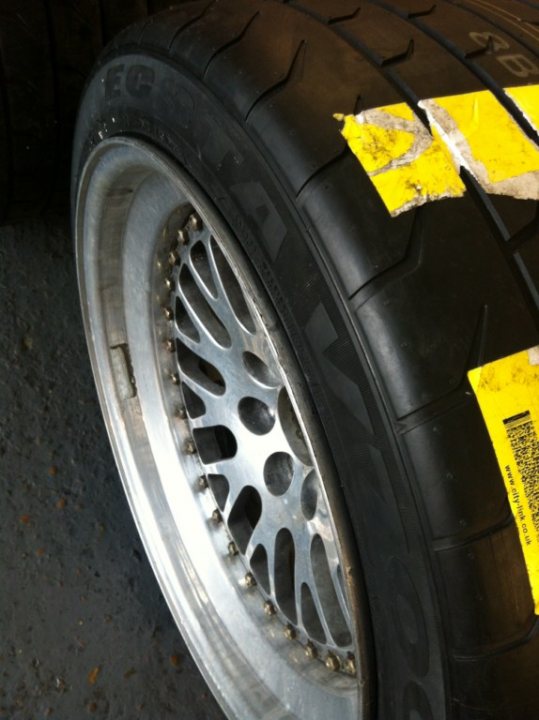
{"x": 250, "y": 581}
{"x": 269, "y": 608}
{"x": 232, "y": 548}
{"x": 311, "y": 651}
{"x": 290, "y": 632}
{"x": 332, "y": 662}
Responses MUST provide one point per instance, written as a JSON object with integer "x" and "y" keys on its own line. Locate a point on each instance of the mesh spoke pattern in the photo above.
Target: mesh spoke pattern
{"x": 250, "y": 442}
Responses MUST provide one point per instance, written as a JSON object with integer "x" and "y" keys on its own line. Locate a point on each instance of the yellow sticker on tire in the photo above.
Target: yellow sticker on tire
{"x": 508, "y": 394}
{"x": 411, "y": 164}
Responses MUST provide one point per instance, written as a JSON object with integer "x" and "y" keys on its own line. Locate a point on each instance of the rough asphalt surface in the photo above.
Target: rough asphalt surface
{"x": 84, "y": 631}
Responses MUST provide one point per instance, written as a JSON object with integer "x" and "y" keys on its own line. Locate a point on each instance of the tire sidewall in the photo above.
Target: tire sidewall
{"x": 144, "y": 96}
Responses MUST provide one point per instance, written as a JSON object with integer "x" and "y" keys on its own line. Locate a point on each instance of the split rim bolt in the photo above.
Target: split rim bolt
{"x": 189, "y": 448}
{"x": 168, "y": 313}
{"x": 250, "y": 581}
{"x": 202, "y": 483}
{"x": 175, "y": 379}
{"x": 332, "y": 662}
{"x": 269, "y": 608}
{"x": 349, "y": 665}
{"x": 181, "y": 412}
{"x": 216, "y": 517}
{"x": 173, "y": 257}
{"x": 168, "y": 283}
{"x": 290, "y": 632}
{"x": 195, "y": 223}
{"x": 311, "y": 651}
{"x": 170, "y": 346}
{"x": 183, "y": 237}
{"x": 232, "y": 549}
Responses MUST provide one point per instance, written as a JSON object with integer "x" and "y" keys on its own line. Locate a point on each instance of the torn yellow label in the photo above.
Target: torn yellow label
{"x": 485, "y": 139}
{"x": 410, "y": 165}
{"x": 508, "y": 394}
{"x": 407, "y": 165}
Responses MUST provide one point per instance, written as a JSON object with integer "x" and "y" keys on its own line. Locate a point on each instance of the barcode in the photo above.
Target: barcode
{"x": 525, "y": 446}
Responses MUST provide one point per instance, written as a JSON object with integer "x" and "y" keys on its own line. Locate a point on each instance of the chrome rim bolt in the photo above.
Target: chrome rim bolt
{"x": 269, "y": 608}
{"x": 168, "y": 313}
{"x": 175, "y": 379}
{"x": 169, "y": 284}
{"x": 170, "y": 346}
{"x": 250, "y": 581}
{"x": 173, "y": 257}
{"x": 290, "y": 632}
{"x": 183, "y": 237}
{"x": 349, "y": 665}
{"x": 202, "y": 483}
{"x": 195, "y": 223}
{"x": 189, "y": 448}
{"x": 181, "y": 412}
{"x": 332, "y": 662}
{"x": 311, "y": 651}
{"x": 232, "y": 549}
{"x": 216, "y": 517}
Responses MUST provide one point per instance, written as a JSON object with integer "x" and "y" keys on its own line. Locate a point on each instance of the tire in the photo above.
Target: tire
{"x": 47, "y": 49}
{"x": 232, "y": 103}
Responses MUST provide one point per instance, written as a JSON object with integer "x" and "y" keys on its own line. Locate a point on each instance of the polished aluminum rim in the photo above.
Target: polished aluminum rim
{"x": 216, "y": 444}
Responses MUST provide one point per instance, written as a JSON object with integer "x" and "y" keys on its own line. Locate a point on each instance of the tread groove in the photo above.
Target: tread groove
{"x": 293, "y": 72}
{"x": 481, "y": 74}
{"x": 232, "y": 42}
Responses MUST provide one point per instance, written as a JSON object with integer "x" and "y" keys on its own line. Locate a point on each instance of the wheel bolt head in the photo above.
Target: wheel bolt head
{"x": 168, "y": 283}
{"x": 168, "y": 313}
{"x": 269, "y": 608}
{"x": 183, "y": 237}
{"x": 202, "y": 483}
{"x": 250, "y": 581}
{"x": 311, "y": 651}
{"x": 181, "y": 412}
{"x": 175, "y": 378}
{"x": 170, "y": 346}
{"x": 189, "y": 447}
{"x": 216, "y": 517}
{"x": 173, "y": 257}
{"x": 332, "y": 662}
{"x": 195, "y": 223}
{"x": 232, "y": 549}
{"x": 349, "y": 665}
{"x": 290, "y": 632}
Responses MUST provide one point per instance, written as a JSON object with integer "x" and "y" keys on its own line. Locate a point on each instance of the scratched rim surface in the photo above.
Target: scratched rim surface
{"x": 219, "y": 455}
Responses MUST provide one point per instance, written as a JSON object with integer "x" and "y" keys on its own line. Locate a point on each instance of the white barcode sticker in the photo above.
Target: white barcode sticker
{"x": 508, "y": 394}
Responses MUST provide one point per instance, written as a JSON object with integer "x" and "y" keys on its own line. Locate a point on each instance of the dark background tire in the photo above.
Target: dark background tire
{"x": 386, "y": 315}
{"x": 47, "y": 49}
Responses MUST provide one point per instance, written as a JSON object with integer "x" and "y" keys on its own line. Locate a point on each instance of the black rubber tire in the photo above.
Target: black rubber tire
{"x": 386, "y": 315}
{"x": 47, "y": 49}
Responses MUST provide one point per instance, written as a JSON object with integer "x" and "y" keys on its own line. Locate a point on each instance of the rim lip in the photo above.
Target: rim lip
{"x": 133, "y": 482}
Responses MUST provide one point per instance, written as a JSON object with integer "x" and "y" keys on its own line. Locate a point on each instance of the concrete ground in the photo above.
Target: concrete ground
{"x": 84, "y": 630}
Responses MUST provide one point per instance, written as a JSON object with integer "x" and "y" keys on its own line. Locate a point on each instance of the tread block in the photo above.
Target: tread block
{"x": 488, "y": 593}
{"x": 460, "y": 483}
{"x": 460, "y": 270}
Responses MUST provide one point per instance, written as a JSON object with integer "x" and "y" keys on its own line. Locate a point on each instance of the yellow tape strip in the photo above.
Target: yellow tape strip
{"x": 410, "y": 166}
{"x": 508, "y": 394}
